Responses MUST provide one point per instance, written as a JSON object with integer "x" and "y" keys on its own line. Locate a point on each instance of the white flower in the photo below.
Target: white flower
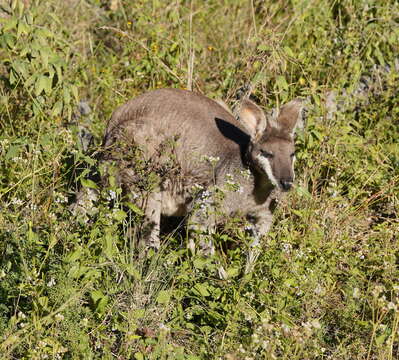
{"x": 163, "y": 327}
{"x": 59, "y": 317}
{"x": 356, "y": 293}
{"x": 51, "y": 282}
{"x": 16, "y": 201}
{"x": 111, "y": 195}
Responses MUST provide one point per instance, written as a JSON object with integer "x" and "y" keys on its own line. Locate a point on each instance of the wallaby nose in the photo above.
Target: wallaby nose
{"x": 286, "y": 184}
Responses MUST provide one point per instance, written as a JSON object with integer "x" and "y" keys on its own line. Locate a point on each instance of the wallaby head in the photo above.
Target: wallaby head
{"x": 271, "y": 149}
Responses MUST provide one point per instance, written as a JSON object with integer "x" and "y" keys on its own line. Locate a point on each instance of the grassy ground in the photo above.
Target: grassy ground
{"x": 326, "y": 284}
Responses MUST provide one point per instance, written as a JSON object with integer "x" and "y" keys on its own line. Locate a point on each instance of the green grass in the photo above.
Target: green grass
{"x": 326, "y": 283}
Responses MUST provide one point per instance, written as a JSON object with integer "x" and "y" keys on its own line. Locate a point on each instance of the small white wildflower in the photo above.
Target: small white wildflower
{"x": 60, "y": 198}
{"x": 316, "y": 324}
{"x": 307, "y": 326}
{"x": 246, "y": 173}
{"x": 134, "y": 195}
{"x": 382, "y": 327}
{"x": 22, "y": 325}
{"x": 111, "y": 195}
{"x": 248, "y": 227}
{"x": 211, "y": 159}
{"x": 16, "y": 201}
{"x": 391, "y": 306}
{"x": 33, "y": 207}
{"x": 59, "y": 317}
{"x": 286, "y": 329}
{"x": 265, "y": 344}
{"x": 51, "y": 282}
{"x": 21, "y": 315}
{"x": 231, "y": 183}
{"x": 163, "y": 327}
{"x": 197, "y": 187}
{"x": 319, "y": 289}
{"x": 356, "y": 293}
{"x": 4, "y": 142}
{"x": 287, "y": 247}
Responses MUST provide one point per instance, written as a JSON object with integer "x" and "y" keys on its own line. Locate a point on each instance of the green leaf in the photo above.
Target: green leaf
{"x": 139, "y": 356}
{"x": 303, "y": 192}
{"x": 119, "y": 215}
{"x": 201, "y": 289}
{"x": 264, "y": 47}
{"x": 12, "y": 152}
{"x": 163, "y": 297}
{"x": 378, "y": 54}
{"x": 132, "y": 271}
{"x": 44, "y": 55}
{"x": 20, "y": 68}
{"x": 281, "y": 83}
{"x": 134, "y": 208}
{"x": 74, "y": 256}
{"x": 23, "y": 28}
{"x": 9, "y": 40}
{"x": 74, "y": 91}
{"x": 66, "y": 96}
{"x": 57, "y": 108}
{"x": 41, "y": 84}
{"x": 379, "y": 340}
{"x": 288, "y": 51}
{"x": 10, "y": 24}
{"x": 88, "y": 183}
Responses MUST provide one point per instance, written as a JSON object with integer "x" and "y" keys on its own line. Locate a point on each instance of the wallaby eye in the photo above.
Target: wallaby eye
{"x": 293, "y": 154}
{"x": 267, "y": 154}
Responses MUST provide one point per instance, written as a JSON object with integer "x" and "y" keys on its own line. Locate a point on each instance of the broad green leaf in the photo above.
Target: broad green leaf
{"x": 12, "y": 152}
{"x": 74, "y": 256}
{"x": 66, "y": 96}
{"x": 23, "y": 28}
{"x": 41, "y": 84}
{"x": 9, "y": 25}
{"x": 163, "y": 297}
{"x": 281, "y": 83}
{"x": 57, "y": 108}
{"x": 119, "y": 215}
{"x": 44, "y": 55}
{"x": 74, "y": 91}
{"x": 9, "y": 39}
{"x": 264, "y": 47}
{"x": 201, "y": 289}
{"x": 88, "y": 183}
{"x": 134, "y": 208}
{"x": 139, "y": 356}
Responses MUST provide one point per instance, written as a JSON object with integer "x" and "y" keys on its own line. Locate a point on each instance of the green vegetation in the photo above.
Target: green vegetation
{"x": 326, "y": 285}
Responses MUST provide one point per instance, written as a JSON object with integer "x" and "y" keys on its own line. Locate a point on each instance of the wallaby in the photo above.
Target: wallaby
{"x": 198, "y": 150}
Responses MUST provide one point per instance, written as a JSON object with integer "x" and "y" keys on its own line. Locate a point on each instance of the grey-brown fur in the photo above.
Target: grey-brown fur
{"x": 204, "y": 148}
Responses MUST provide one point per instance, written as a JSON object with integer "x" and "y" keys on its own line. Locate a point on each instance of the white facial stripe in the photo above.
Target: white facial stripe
{"x": 264, "y": 162}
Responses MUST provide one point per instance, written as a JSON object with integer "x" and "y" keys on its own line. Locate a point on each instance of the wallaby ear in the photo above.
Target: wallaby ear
{"x": 290, "y": 116}
{"x": 253, "y": 118}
